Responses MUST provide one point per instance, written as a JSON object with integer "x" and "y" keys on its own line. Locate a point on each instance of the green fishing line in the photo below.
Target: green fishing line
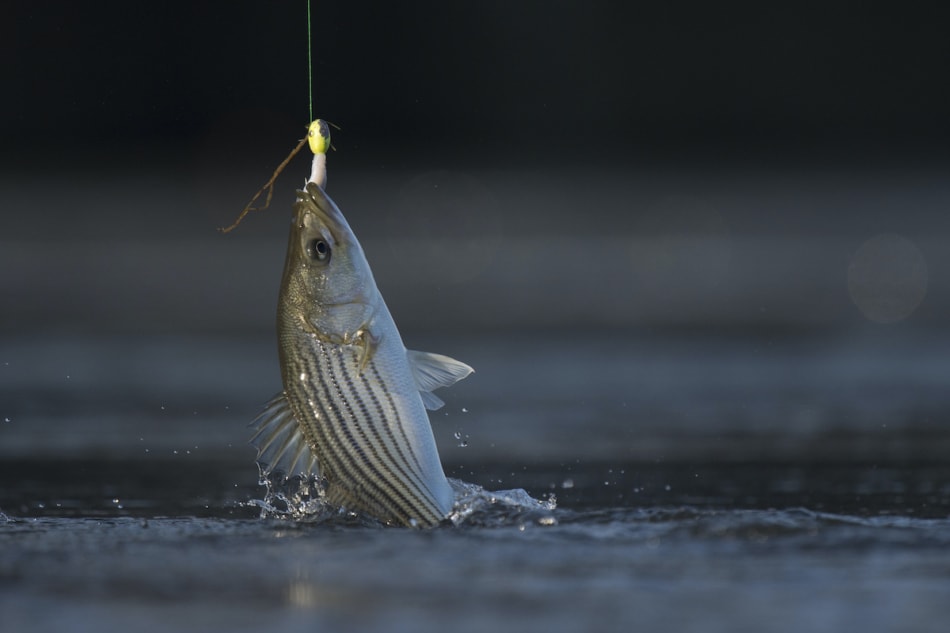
{"x": 318, "y": 136}
{"x": 309, "y": 63}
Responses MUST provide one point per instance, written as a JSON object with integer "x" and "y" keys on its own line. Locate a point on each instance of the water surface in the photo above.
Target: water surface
{"x": 710, "y": 556}
{"x": 701, "y": 484}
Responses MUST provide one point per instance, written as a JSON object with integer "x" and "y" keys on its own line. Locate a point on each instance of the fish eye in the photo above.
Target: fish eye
{"x": 318, "y": 250}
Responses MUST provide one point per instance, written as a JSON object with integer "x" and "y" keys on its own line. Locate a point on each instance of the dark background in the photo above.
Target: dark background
{"x": 533, "y": 78}
{"x": 560, "y": 134}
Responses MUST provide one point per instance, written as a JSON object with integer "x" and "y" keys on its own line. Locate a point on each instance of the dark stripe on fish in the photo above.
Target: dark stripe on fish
{"x": 356, "y": 465}
{"x": 401, "y": 442}
{"x": 409, "y": 478}
{"x": 344, "y": 463}
{"x": 406, "y": 445}
{"x": 335, "y": 461}
{"x": 401, "y": 482}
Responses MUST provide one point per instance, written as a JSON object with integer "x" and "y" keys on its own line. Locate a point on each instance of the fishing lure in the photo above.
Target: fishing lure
{"x": 318, "y": 137}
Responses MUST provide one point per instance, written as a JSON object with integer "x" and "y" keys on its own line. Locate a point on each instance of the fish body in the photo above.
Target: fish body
{"x": 353, "y": 407}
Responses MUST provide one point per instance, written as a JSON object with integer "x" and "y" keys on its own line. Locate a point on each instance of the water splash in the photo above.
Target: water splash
{"x": 298, "y": 498}
{"x": 302, "y": 498}
{"x": 476, "y": 506}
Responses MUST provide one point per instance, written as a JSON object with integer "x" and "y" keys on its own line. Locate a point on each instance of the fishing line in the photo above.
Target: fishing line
{"x": 309, "y": 62}
{"x": 318, "y": 136}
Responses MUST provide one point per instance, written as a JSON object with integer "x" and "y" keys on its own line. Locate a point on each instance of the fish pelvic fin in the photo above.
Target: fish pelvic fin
{"x": 432, "y": 371}
{"x": 279, "y": 441}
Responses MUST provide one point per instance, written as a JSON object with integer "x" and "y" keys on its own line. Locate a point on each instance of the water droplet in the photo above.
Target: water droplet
{"x": 464, "y": 410}
{"x": 567, "y": 483}
{"x": 303, "y": 376}
{"x": 6, "y": 419}
{"x": 667, "y": 487}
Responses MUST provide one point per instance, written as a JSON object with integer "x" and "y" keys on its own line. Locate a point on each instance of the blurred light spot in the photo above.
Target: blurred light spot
{"x": 445, "y": 227}
{"x": 887, "y": 278}
{"x": 303, "y": 594}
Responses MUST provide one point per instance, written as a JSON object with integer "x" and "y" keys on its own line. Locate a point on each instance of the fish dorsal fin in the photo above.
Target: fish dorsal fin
{"x": 279, "y": 441}
{"x": 432, "y": 371}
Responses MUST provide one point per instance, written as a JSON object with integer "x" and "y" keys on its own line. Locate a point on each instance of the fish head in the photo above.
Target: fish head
{"x": 327, "y": 281}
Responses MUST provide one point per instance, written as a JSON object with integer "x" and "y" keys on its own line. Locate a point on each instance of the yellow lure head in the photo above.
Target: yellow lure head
{"x": 318, "y": 135}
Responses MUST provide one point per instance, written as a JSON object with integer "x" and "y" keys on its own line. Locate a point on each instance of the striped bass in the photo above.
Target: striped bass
{"x": 353, "y": 406}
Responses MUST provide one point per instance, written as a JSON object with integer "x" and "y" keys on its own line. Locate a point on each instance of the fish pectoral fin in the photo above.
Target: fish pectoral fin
{"x": 280, "y": 442}
{"x": 368, "y": 342}
{"x": 432, "y": 371}
{"x": 431, "y": 401}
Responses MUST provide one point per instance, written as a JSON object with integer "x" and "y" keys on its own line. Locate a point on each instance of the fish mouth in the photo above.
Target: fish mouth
{"x": 313, "y": 200}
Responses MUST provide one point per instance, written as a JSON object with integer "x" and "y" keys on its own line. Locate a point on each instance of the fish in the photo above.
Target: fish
{"x": 353, "y": 406}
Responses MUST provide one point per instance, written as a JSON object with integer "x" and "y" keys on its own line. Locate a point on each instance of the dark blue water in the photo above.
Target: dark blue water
{"x": 688, "y": 483}
{"x": 680, "y": 568}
